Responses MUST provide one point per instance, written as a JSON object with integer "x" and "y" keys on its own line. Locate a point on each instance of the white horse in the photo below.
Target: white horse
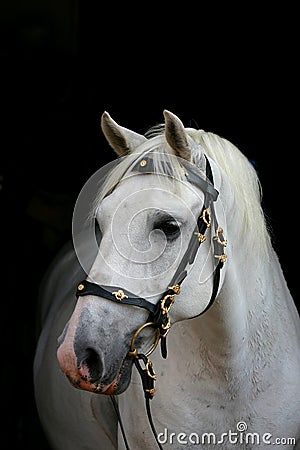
{"x": 231, "y": 378}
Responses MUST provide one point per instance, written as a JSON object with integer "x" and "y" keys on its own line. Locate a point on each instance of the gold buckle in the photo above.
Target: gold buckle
{"x": 200, "y": 236}
{"x": 175, "y": 289}
{"x": 119, "y": 295}
{"x": 205, "y": 216}
{"x": 151, "y": 391}
{"x": 222, "y": 257}
{"x": 222, "y": 241}
{"x": 166, "y": 309}
{"x": 150, "y": 370}
{"x": 168, "y": 324}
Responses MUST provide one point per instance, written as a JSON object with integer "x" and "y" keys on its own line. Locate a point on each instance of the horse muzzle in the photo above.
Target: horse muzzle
{"x": 91, "y": 358}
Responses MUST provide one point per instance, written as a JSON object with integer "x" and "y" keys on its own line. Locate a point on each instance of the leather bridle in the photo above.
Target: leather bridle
{"x": 159, "y": 313}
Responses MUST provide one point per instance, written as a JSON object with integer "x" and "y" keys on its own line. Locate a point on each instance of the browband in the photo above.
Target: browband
{"x": 192, "y": 174}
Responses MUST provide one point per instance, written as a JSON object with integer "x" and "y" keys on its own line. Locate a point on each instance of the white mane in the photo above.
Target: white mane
{"x": 243, "y": 179}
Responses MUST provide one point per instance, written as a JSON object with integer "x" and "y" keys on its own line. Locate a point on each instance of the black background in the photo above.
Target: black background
{"x": 229, "y": 71}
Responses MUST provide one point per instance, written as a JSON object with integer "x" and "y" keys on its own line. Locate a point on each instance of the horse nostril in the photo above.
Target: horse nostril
{"x": 91, "y": 366}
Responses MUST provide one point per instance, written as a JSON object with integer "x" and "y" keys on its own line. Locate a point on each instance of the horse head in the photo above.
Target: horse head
{"x": 154, "y": 209}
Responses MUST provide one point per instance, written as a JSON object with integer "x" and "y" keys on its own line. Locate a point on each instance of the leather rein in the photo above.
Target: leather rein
{"x": 159, "y": 313}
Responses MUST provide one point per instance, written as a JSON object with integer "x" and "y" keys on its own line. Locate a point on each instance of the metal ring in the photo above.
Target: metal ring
{"x": 133, "y": 351}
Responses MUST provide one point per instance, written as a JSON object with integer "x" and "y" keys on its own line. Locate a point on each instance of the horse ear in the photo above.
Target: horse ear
{"x": 122, "y": 140}
{"x": 176, "y": 136}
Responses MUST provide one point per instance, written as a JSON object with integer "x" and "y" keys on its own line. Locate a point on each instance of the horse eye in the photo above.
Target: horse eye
{"x": 98, "y": 232}
{"x": 169, "y": 227}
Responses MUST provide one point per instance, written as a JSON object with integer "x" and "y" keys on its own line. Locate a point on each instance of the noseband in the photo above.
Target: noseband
{"x": 159, "y": 313}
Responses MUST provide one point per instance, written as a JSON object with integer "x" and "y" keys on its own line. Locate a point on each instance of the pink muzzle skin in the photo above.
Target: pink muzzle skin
{"x": 80, "y": 377}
